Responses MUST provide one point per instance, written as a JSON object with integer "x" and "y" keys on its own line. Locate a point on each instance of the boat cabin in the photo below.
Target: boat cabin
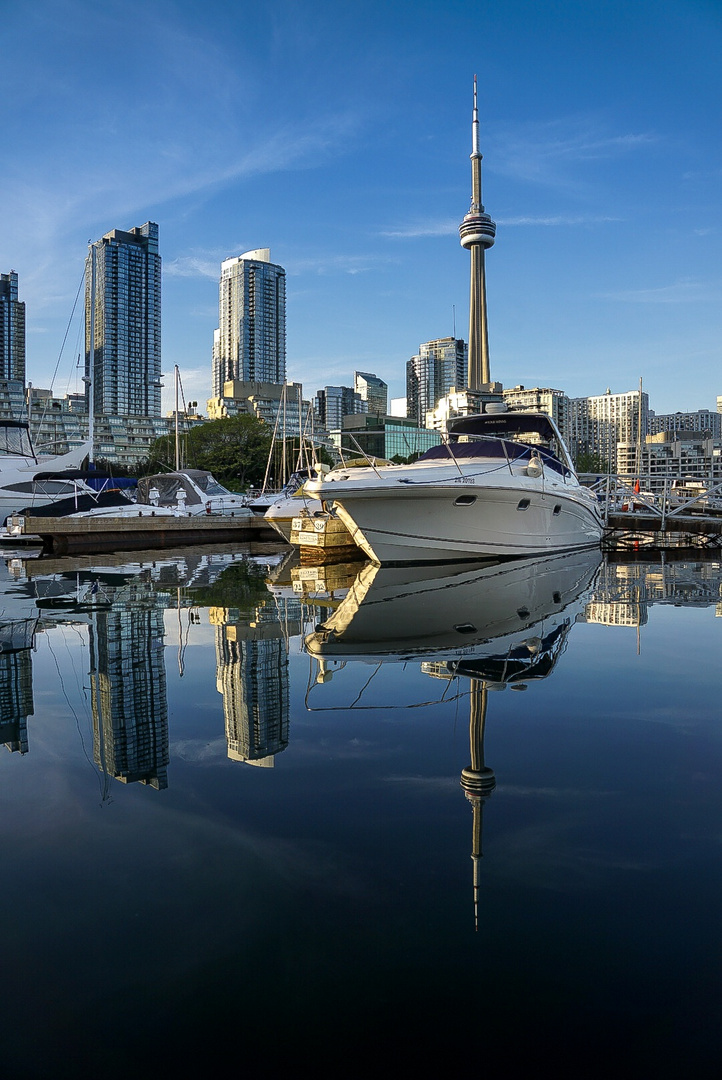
{"x": 507, "y": 435}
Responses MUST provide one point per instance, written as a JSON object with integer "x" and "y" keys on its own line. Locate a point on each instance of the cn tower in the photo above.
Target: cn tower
{"x": 477, "y": 232}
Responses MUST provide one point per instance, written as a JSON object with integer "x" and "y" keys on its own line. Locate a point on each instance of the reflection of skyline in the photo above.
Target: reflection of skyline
{"x": 625, "y": 591}
{"x": 128, "y": 691}
{"x": 16, "y": 683}
{"x": 252, "y": 676}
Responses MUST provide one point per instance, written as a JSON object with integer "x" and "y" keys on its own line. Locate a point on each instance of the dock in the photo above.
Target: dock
{"x": 656, "y": 518}
{"x": 64, "y": 536}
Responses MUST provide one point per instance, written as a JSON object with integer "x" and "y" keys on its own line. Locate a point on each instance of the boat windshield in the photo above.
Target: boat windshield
{"x": 207, "y": 483}
{"x": 509, "y": 435}
{"x": 15, "y": 440}
{"x": 162, "y": 489}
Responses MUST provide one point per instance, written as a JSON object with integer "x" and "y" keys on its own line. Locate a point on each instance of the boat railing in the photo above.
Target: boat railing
{"x": 655, "y": 494}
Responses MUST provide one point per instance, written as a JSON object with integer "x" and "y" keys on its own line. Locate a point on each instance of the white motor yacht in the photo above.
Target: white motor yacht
{"x": 27, "y": 477}
{"x": 501, "y": 484}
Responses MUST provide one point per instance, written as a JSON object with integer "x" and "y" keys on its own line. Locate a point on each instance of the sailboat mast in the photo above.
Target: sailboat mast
{"x": 91, "y": 361}
{"x": 177, "y": 441}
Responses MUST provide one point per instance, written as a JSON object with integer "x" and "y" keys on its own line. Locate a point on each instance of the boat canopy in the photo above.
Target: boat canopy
{"x": 196, "y": 483}
{"x": 508, "y": 425}
{"x": 15, "y": 439}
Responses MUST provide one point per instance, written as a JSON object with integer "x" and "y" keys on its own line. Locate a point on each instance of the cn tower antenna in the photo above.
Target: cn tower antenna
{"x": 477, "y": 232}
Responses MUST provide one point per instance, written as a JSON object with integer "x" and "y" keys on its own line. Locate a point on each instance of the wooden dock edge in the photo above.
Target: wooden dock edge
{"x": 64, "y": 536}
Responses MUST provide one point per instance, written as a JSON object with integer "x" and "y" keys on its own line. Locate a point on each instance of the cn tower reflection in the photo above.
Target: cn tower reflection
{"x": 477, "y": 779}
{"x": 497, "y": 625}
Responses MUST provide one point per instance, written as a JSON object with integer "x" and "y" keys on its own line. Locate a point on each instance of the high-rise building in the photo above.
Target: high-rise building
{"x": 373, "y": 391}
{"x": 703, "y": 420}
{"x": 554, "y": 403}
{"x": 250, "y": 344}
{"x": 598, "y": 424}
{"x": 438, "y": 367}
{"x": 333, "y": 403}
{"x": 12, "y": 329}
{"x": 126, "y": 363}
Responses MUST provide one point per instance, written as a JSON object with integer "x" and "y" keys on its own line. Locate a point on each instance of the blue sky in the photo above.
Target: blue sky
{"x": 338, "y": 135}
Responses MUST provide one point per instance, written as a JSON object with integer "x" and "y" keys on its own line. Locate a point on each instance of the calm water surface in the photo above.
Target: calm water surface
{"x": 245, "y": 808}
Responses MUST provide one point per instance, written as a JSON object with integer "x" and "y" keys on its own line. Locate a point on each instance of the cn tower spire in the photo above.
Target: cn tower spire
{"x": 477, "y": 232}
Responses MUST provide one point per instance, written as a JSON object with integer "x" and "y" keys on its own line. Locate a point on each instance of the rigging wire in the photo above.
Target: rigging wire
{"x": 65, "y": 338}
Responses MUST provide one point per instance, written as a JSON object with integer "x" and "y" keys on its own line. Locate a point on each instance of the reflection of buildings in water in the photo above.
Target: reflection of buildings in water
{"x": 680, "y": 582}
{"x": 252, "y": 676}
{"x": 625, "y": 591}
{"x": 498, "y": 625}
{"x": 616, "y": 613}
{"x": 128, "y": 690}
{"x": 16, "y": 683}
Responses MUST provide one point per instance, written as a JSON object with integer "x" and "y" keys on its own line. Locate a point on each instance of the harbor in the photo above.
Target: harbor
{"x": 502, "y": 809}
{"x": 361, "y": 539}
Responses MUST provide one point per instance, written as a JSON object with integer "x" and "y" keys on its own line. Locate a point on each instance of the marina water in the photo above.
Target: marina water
{"x": 235, "y": 825}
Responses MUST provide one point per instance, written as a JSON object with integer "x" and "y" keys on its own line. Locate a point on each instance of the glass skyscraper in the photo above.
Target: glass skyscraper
{"x": 438, "y": 367}
{"x": 373, "y": 391}
{"x": 126, "y": 370}
{"x": 12, "y": 329}
{"x": 250, "y": 343}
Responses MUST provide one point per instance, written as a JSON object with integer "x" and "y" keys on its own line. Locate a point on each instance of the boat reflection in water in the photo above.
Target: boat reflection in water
{"x": 498, "y": 625}
{"x": 487, "y": 611}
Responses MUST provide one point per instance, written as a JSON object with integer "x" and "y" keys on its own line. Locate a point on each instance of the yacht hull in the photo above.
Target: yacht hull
{"x": 449, "y": 520}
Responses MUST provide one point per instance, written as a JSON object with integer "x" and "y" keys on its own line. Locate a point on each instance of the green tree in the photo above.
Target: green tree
{"x": 591, "y": 463}
{"x": 234, "y": 449}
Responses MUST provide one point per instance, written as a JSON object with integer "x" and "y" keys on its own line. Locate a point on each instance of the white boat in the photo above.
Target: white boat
{"x": 288, "y": 502}
{"x": 694, "y": 495}
{"x": 27, "y": 477}
{"x": 501, "y": 484}
{"x": 191, "y": 491}
{"x": 294, "y": 502}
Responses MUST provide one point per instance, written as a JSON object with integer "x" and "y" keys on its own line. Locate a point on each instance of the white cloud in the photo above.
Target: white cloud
{"x": 430, "y": 228}
{"x": 682, "y": 292}
{"x": 193, "y": 266}
{"x": 550, "y": 153}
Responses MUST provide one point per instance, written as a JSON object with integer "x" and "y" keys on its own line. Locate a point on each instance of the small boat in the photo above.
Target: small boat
{"x": 293, "y": 489}
{"x": 192, "y": 491}
{"x": 501, "y": 484}
{"x": 695, "y": 496}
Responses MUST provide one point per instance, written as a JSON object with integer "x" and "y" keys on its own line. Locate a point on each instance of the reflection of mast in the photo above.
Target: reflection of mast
{"x": 477, "y": 780}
